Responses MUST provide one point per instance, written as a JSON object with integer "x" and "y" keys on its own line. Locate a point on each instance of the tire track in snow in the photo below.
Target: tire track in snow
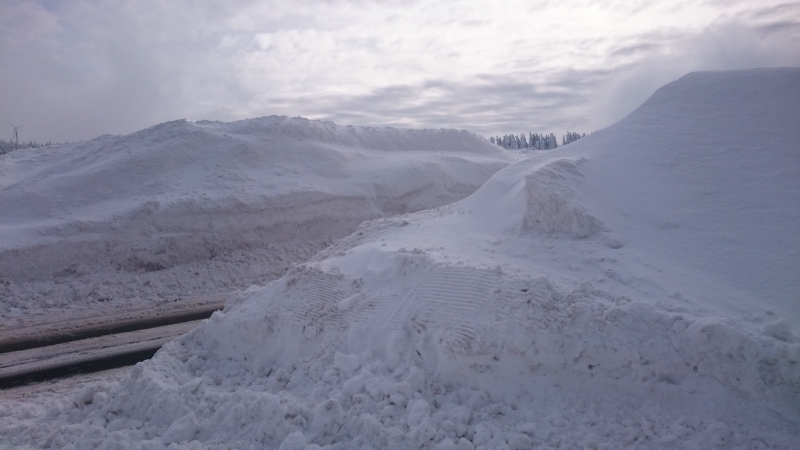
{"x": 455, "y": 299}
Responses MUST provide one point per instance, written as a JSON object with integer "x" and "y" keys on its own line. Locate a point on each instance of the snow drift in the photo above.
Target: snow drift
{"x": 211, "y": 196}
{"x": 632, "y": 290}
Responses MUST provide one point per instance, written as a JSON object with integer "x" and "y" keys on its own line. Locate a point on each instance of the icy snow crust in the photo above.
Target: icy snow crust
{"x": 631, "y": 290}
{"x": 184, "y": 208}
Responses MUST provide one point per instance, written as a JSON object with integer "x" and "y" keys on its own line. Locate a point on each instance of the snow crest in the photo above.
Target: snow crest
{"x": 552, "y": 207}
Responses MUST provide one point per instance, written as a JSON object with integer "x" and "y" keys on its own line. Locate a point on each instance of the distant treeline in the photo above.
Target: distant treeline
{"x": 534, "y": 140}
{"x": 7, "y": 146}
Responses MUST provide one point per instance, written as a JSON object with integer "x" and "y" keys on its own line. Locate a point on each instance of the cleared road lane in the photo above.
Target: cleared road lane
{"x": 99, "y": 353}
{"x": 76, "y": 327}
{"x": 79, "y": 343}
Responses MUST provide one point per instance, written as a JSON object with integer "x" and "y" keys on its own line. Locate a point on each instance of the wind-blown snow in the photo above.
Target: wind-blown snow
{"x": 631, "y": 290}
{"x": 184, "y": 208}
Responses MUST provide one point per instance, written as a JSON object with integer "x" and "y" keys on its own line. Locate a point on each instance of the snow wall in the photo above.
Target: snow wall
{"x": 115, "y": 216}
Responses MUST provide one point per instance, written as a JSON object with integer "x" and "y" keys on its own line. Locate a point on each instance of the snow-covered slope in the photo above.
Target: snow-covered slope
{"x": 631, "y": 290}
{"x": 176, "y": 203}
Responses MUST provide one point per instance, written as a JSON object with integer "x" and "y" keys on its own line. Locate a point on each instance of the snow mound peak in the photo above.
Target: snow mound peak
{"x": 540, "y": 197}
{"x": 551, "y": 205}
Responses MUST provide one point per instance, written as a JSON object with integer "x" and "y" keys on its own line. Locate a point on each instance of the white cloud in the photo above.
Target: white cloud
{"x": 84, "y": 68}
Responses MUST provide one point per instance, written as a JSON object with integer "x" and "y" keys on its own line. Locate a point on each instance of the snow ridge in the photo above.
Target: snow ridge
{"x": 181, "y": 206}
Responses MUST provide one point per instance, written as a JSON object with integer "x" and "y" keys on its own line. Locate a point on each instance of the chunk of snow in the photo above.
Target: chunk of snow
{"x": 182, "y": 430}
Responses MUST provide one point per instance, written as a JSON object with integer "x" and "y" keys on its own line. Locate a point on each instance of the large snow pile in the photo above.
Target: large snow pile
{"x": 184, "y": 208}
{"x": 636, "y": 289}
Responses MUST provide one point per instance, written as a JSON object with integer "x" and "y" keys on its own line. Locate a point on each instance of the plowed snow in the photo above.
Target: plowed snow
{"x": 636, "y": 289}
{"x": 182, "y": 209}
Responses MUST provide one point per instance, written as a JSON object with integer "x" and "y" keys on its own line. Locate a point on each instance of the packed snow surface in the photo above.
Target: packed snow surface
{"x": 635, "y": 289}
{"x": 183, "y": 208}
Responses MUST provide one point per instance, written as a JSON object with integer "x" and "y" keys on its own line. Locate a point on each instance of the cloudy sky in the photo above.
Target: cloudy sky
{"x": 74, "y": 70}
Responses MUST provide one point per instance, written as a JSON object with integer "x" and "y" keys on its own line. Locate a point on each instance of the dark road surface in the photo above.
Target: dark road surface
{"x": 87, "y": 344}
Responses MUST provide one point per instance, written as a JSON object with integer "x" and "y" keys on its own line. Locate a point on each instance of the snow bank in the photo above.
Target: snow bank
{"x": 171, "y": 209}
{"x": 626, "y": 291}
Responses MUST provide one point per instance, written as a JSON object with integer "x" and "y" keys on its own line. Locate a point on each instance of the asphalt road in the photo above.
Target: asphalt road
{"x": 64, "y": 347}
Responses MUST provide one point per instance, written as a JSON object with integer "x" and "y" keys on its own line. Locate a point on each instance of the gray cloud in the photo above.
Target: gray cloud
{"x": 488, "y": 104}
{"x": 777, "y": 27}
{"x": 77, "y": 69}
{"x": 634, "y": 49}
{"x": 60, "y": 86}
{"x": 721, "y": 46}
{"x": 782, "y": 10}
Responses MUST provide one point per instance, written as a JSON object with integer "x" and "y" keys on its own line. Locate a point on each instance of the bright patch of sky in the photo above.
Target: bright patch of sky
{"x": 77, "y": 69}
